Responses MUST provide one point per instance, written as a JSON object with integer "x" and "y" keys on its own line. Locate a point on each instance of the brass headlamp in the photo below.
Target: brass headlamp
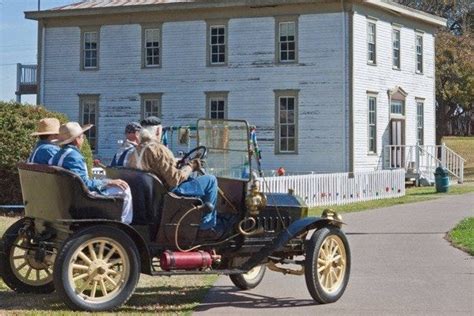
{"x": 255, "y": 200}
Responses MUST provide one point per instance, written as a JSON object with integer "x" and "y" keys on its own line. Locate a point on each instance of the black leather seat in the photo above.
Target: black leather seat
{"x": 147, "y": 194}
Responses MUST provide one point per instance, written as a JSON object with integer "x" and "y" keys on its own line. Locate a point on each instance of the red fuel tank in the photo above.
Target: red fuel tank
{"x": 185, "y": 260}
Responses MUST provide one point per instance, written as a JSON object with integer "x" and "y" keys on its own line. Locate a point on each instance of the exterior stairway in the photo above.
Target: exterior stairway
{"x": 420, "y": 162}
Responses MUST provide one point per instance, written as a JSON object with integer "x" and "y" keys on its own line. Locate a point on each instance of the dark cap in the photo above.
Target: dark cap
{"x": 132, "y": 127}
{"x": 151, "y": 121}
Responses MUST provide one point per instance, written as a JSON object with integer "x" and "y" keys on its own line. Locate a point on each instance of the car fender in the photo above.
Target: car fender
{"x": 144, "y": 251}
{"x": 296, "y": 228}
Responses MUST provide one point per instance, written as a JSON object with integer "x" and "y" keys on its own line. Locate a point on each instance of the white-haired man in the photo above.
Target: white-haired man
{"x": 154, "y": 157}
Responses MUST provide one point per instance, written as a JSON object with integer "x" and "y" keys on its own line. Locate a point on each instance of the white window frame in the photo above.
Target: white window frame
{"x": 214, "y": 98}
{"x": 419, "y": 53}
{"x": 372, "y": 123}
{"x": 218, "y": 44}
{"x": 86, "y": 32}
{"x": 279, "y": 43}
{"x": 156, "y": 30}
{"x": 371, "y": 40}
{"x": 148, "y": 99}
{"x": 285, "y": 126}
{"x": 420, "y": 122}
{"x": 90, "y": 100}
{"x": 396, "y": 48}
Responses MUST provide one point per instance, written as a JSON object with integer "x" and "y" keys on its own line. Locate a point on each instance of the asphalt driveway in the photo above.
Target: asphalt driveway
{"x": 401, "y": 265}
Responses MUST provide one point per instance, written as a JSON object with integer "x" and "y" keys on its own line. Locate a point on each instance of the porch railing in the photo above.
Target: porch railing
{"x": 421, "y": 161}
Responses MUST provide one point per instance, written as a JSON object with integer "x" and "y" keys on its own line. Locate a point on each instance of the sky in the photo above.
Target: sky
{"x": 18, "y": 41}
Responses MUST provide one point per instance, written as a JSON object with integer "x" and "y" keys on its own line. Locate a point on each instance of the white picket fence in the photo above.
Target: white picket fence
{"x": 340, "y": 188}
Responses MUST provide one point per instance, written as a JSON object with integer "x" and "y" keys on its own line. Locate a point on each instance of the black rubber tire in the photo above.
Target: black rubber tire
{"x": 67, "y": 293}
{"x": 6, "y": 270}
{"x": 312, "y": 250}
{"x": 244, "y": 283}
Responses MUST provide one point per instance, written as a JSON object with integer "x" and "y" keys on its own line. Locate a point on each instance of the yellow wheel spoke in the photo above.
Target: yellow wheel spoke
{"x": 84, "y": 258}
{"x": 85, "y": 285}
{"x": 101, "y": 250}
{"x": 114, "y": 262}
{"x": 80, "y": 267}
{"x": 109, "y": 255}
{"x": 92, "y": 252}
{"x": 111, "y": 280}
{"x": 94, "y": 289}
{"x": 80, "y": 277}
{"x": 103, "y": 287}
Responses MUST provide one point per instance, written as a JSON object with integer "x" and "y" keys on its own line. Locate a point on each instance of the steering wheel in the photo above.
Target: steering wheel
{"x": 198, "y": 152}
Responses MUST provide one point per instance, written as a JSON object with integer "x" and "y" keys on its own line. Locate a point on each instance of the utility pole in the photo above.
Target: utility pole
{"x": 39, "y": 5}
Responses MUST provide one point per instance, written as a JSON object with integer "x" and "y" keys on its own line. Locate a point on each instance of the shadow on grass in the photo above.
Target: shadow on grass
{"x": 169, "y": 299}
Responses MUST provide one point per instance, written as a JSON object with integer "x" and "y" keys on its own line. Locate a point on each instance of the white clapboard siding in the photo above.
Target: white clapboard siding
{"x": 340, "y": 188}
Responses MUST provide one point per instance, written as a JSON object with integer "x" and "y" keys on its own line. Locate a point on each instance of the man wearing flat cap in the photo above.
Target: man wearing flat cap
{"x": 131, "y": 141}
{"x": 47, "y": 131}
{"x": 154, "y": 157}
{"x": 71, "y": 138}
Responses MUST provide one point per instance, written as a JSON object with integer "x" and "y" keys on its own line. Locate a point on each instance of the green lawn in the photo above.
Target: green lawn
{"x": 464, "y": 146}
{"x": 462, "y": 236}
{"x": 177, "y": 295}
{"x": 416, "y": 194}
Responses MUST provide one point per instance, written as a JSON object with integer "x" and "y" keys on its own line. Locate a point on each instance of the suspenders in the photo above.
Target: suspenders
{"x": 33, "y": 155}
{"x": 61, "y": 159}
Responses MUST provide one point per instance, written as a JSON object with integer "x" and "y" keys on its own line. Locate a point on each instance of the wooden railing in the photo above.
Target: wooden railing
{"x": 26, "y": 82}
{"x": 422, "y": 161}
{"x": 340, "y": 188}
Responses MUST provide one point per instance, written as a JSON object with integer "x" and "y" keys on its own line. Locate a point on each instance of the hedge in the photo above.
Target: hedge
{"x": 17, "y": 122}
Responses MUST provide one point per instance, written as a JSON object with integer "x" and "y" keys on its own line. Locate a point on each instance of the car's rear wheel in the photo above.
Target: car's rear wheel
{"x": 327, "y": 265}
{"x": 97, "y": 269}
{"x": 249, "y": 280}
{"x": 21, "y": 268}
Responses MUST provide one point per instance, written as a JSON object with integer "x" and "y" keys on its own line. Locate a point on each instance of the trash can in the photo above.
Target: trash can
{"x": 441, "y": 179}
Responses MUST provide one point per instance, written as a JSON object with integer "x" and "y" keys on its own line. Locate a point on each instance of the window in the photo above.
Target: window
{"x": 217, "y": 39}
{"x": 372, "y": 124}
{"x": 89, "y": 110}
{"x": 286, "y": 121}
{"x": 371, "y": 42}
{"x": 89, "y": 48}
{"x": 216, "y": 105}
{"x": 396, "y": 48}
{"x": 397, "y": 107}
{"x": 151, "y": 47}
{"x": 151, "y": 104}
{"x": 419, "y": 53}
{"x": 420, "y": 122}
{"x": 287, "y": 33}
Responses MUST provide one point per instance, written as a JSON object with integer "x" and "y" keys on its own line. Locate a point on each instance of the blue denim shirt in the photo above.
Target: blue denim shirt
{"x": 43, "y": 152}
{"x": 70, "y": 158}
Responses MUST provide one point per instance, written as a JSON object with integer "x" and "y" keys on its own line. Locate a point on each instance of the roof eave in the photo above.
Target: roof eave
{"x": 406, "y": 11}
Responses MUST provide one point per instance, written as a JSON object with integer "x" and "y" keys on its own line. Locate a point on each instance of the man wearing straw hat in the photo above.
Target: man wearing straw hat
{"x": 71, "y": 138}
{"x": 47, "y": 131}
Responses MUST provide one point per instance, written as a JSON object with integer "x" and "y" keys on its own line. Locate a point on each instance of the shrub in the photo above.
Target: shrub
{"x": 17, "y": 122}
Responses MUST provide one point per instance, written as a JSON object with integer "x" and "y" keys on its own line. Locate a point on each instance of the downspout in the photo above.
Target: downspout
{"x": 41, "y": 67}
{"x": 347, "y": 61}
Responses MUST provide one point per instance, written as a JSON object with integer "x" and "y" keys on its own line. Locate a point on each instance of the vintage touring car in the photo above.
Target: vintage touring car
{"x": 73, "y": 242}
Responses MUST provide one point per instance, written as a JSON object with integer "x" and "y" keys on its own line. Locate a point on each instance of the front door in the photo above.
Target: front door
{"x": 397, "y": 142}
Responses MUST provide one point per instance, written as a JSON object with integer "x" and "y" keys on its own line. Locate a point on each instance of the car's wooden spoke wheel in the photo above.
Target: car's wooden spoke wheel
{"x": 331, "y": 263}
{"x": 327, "y": 264}
{"x": 26, "y": 267}
{"x": 98, "y": 269}
{"x": 249, "y": 280}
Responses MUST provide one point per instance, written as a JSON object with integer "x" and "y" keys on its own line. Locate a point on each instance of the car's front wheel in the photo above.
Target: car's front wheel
{"x": 97, "y": 269}
{"x": 21, "y": 268}
{"x": 327, "y": 264}
{"x": 249, "y": 280}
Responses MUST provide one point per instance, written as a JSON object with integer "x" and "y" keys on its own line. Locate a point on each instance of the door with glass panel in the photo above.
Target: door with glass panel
{"x": 397, "y": 143}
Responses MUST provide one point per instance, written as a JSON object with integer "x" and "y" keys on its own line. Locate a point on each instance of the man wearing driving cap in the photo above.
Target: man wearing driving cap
{"x": 131, "y": 141}
{"x": 71, "y": 138}
{"x": 154, "y": 157}
{"x": 47, "y": 131}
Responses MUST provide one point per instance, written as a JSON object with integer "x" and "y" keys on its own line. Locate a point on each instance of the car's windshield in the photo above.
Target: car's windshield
{"x": 227, "y": 142}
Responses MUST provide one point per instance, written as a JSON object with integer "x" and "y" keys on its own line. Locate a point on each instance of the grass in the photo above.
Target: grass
{"x": 462, "y": 236}
{"x": 464, "y": 146}
{"x": 177, "y": 295}
{"x": 416, "y": 194}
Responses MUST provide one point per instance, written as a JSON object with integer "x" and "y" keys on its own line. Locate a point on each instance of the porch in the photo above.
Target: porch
{"x": 421, "y": 161}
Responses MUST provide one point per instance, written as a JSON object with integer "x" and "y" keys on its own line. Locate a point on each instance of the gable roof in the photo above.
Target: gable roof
{"x": 98, "y": 7}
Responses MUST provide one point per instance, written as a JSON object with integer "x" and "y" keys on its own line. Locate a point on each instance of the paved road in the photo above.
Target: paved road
{"x": 401, "y": 265}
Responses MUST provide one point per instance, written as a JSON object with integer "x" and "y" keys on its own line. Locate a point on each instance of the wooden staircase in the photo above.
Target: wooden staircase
{"x": 420, "y": 162}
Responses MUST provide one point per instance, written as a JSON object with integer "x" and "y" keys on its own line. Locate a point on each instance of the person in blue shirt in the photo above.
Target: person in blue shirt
{"x": 131, "y": 142}
{"x": 44, "y": 150}
{"x": 71, "y": 138}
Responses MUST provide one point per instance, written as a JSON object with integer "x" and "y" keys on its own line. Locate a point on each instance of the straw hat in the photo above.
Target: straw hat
{"x": 47, "y": 126}
{"x": 69, "y": 131}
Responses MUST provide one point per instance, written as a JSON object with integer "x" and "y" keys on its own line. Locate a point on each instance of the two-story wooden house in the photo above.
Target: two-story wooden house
{"x": 329, "y": 84}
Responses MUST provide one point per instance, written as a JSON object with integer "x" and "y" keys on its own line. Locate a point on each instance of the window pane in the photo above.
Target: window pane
{"x": 287, "y": 44}
{"x": 152, "y": 44}
{"x": 218, "y": 44}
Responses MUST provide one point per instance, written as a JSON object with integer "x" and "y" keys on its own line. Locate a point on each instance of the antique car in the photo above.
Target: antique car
{"x": 72, "y": 241}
